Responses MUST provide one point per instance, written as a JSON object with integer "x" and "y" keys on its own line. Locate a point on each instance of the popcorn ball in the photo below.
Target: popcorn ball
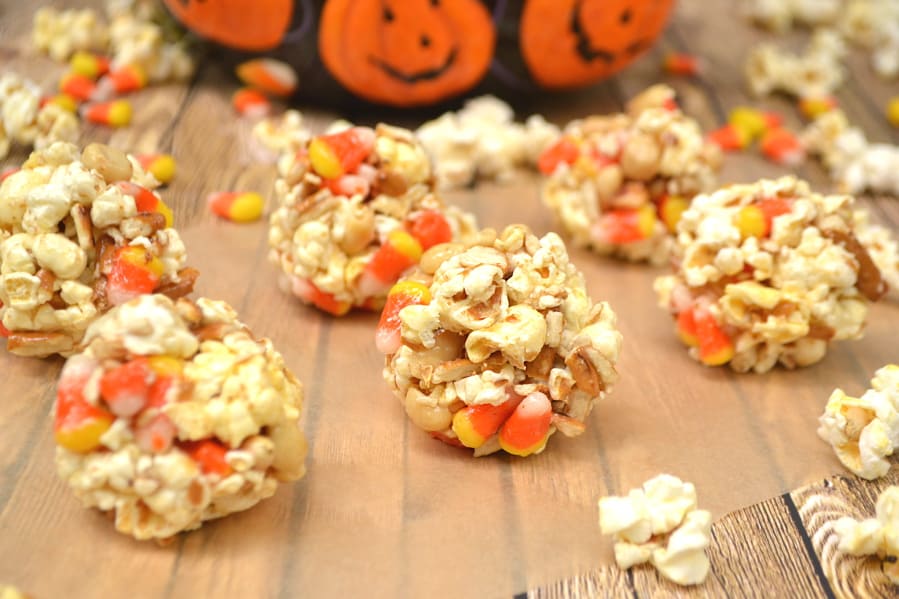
{"x": 174, "y": 414}
{"x": 874, "y": 536}
{"x": 356, "y": 209}
{"x": 495, "y": 344}
{"x": 768, "y": 272}
{"x": 618, "y": 184}
{"x": 79, "y": 234}
{"x": 864, "y": 431}
{"x": 24, "y": 121}
{"x": 659, "y": 524}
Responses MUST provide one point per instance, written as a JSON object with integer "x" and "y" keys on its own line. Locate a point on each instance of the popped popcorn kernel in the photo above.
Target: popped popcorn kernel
{"x": 874, "y": 536}
{"x": 864, "y": 431}
{"x": 494, "y": 344}
{"x": 25, "y": 122}
{"x": 173, "y": 414}
{"x": 768, "y": 273}
{"x": 660, "y": 524}
{"x": 356, "y": 208}
{"x": 610, "y": 189}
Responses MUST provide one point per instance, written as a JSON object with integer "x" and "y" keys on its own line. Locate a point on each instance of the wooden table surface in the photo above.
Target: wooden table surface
{"x": 780, "y": 546}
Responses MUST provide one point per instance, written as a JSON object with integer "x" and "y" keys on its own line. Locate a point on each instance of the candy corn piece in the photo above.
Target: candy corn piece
{"x": 670, "y": 210}
{"x": 398, "y": 252}
{"x": 89, "y": 65}
{"x": 625, "y": 225}
{"x": 445, "y": 438}
{"x": 135, "y": 271}
{"x": 729, "y": 138}
{"x": 124, "y": 80}
{"x": 565, "y": 150}
{"x": 268, "y": 75}
{"x": 756, "y": 220}
{"x": 334, "y": 155}
{"x": 112, "y": 114}
{"x": 161, "y": 166}
{"x": 430, "y": 228}
{"x": 155, "y": 434}
{"x": 475, "y": 424}
{"x": 238, "y": 207}
{"x": 8, "y": 173}
{"x": 682, "y": 64}
{"x": 4, "y": 332}
{"x": 326, "y": 302}
{"x": 78, "y": 425}
{"x": 125, "y": 388}
{"x": 773, "y": 120}
{"x": 147, "y": 201}
{"x": 783, "y": 147}
{"x": 404, "y": 293}
{"x": 750, "y": 122}
{"x": 715, "y": 347}
{"x": 527, "y": 429}
{"x": 893, "y": 111}
{"x": 686, "y": 328}
{"x": 64, "y": 101}
{"x": 813, "y": 107}
{"x": 349, "y": 185}
{"x": 77, "y": 86}
{"x": 251, "y": 103}
{"x": 210, "y": 455}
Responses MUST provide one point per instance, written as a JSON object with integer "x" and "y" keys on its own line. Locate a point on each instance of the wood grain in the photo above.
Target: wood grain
{"x": 359, "y": 438}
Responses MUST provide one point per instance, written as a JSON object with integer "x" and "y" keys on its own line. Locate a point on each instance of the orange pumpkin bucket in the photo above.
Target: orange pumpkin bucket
{"x": 419, "y": 52}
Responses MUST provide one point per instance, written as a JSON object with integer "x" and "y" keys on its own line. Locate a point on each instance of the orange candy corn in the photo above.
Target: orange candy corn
{"x": 77, "y": 86}
{"x": 334, "y": 155}
{"x": 88, "y": 64}
{"x": 729, "y": 138}
{"x": 563, "y": 151}
{"x": 125, "y": 387}
{"x": 112, "y": 114}
{"x": 124, "y": 80}
{"x": 268, "y": 75}
{"x": 527, "y": 429}
{"x": 78, "y": 425}
{"x": 135, "y": 271}
{"x": 146, "y": 201}
{"x": 405, "y": 293}
{"x": 682, "y": 64}
{"x": 238, "y": 207}
{"x": 473, "y": 425}
{"x": 399, "y": 251}
{"x": 326, "y": 302}
{"x": 625, "y": 225}
{"x": 686, "y": 328}
{"x": 4, "y": 332}
{"x": 783, "y": 147}
{"x": 251, "y": 103}
{"x": 210, "y": 455}
{"x": 430, "y": 228}
{"x": 8, "y": 173}
{"x": 715, "y": 347}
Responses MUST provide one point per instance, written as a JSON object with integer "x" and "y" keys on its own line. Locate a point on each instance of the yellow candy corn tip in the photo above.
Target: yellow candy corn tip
{"x": 414, "y": 288}
{"x": 405, "y": 244}
{"x": 324, "y": 160}
{"x": 646, "y": 220}
{"x": 84, "y": 63}
{"x": 465, "y": 431}
{"x": 751, "y": 221}
{"x": 84, "y": 438}
{"x": 164, "y": 210}
{"x": 719, "y": 357}
{"x": 687, "y": 339}
{"x": 523, "y": 451}
{"x": 672, "y": 210}
{"x": 66, "y": 102}
{"x": 246, "y": 207}
{"x": 163, "y": 168}
{"x": 166, "y": 365}
{"x": 119, "y": 113}
{"x": 748, "y": 121}
{"x": 893, "y": 112}
{"x": 137, "y": 256}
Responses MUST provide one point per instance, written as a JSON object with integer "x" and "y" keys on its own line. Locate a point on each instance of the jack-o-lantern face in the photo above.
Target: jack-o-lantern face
{"x": 243, "y": 24}
{"x": 406, "y": 52}
{"x": 566, "y": 43}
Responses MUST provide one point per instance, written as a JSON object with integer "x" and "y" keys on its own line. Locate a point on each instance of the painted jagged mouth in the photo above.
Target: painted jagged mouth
{"x": 426, "y": 75}
{"x": 585, "y": 47}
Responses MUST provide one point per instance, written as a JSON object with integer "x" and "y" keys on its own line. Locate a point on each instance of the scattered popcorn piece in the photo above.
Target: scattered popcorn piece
{"x": 768, "y": 273}
{"x": 780, "y": 15}
{"x": 348, "y": 216}
{"x": 79, "y": 234}
{"x": 483, "y": 140}
{"x": 660, "y": 524}
{"x": 817, "y": 72}
{"x": 875, "y": 536}
{"x": 173, "y": 414}
{"x": 874, "y": 25}
{"x": 283, "y": 135}
{"x": 61, "y": 33}
{"x": 855, "y": 164}
{"x": 682, "y": 64}
{"x": 864, "y": 431}
{"x": 618, "y": 183}
{"x": 494, "y": 344}
{"x": 25, "y": 122}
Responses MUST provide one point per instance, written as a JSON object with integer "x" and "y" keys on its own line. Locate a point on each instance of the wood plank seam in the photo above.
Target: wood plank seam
{"x": 807, "y": 543}
{"x": 714, "y": 101}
